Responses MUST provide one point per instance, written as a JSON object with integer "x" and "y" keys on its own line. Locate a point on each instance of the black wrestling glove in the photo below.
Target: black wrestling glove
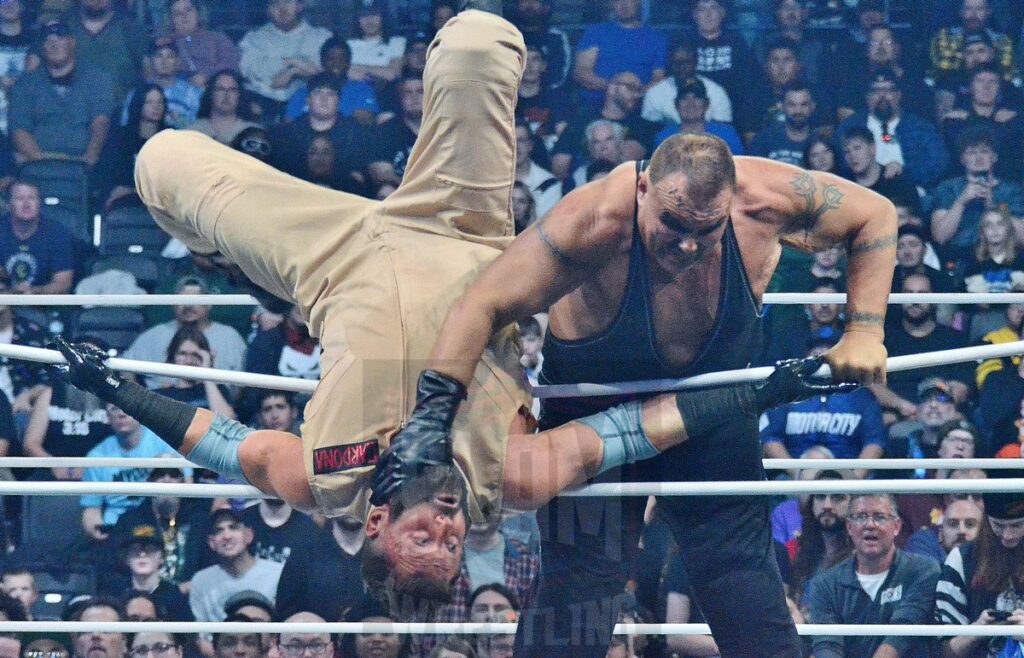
{"x": 426, "y": 438}
{"x": 793, "y": 381}
{"x": 86, "y": 369}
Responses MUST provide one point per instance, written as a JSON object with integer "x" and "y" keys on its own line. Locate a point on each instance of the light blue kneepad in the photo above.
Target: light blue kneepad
{"x": 623, "y": 435}
{"x": 218, "y": 448}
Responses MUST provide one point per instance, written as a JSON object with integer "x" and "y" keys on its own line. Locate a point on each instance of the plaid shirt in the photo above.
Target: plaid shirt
{"x": 947, "y": 55}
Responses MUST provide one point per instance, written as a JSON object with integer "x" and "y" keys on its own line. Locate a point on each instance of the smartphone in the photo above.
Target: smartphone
{"x": 1000, "y": 615}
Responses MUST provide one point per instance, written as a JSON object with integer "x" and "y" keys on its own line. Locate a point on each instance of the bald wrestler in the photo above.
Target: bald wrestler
{"x": 657, "y": 271}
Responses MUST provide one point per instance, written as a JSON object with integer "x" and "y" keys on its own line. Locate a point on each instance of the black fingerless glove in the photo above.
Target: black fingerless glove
{"x": 793, "y": 381}
{"x": 426, "y": 438}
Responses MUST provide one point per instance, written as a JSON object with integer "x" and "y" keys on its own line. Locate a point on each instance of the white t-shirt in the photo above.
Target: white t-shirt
{"x": 213, "y": 586}
{"x": 376, "y": 52}
{"x": 871, "y": 583}
{"x": 885, "y": 152}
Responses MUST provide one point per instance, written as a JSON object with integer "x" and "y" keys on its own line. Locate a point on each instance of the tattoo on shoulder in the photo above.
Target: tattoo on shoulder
{"x": 805, "y": 186}
{"x": 883, "y": 242}
{"x": 864, "y": 318}
{"x": 562, "y": 257}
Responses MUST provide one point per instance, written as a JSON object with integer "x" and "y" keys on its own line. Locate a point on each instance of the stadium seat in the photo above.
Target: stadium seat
{"x": 129, "y": 229}
{"x": 63, "y": 186}
{"x": 117, "y": 325}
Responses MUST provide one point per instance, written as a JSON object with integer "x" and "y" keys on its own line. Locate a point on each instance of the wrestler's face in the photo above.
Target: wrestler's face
{"x": 425, "y": 540}
{"x": 678, "y": 233}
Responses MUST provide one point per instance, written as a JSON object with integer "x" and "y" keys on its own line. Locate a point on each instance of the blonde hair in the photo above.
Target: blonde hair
{"x": 981, "y": 249}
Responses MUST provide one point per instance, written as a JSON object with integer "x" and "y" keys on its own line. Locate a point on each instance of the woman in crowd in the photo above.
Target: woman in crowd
{"x": 115, "y": 173}
{"x": 377, "y": 55}
{"x": 189, "y": 347}
{"x": 997, "y": 266}
{"x": 203, "y": 52}
{"x": 524, "y": 207}
{"x": 982, "y": 581}
{"x": 819, "y": 155}
{"x": 491, "y": 600}
{"x": 222, "y": 114}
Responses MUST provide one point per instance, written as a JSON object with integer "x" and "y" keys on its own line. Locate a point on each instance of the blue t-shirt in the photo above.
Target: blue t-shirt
{"x": 943, "y": 196}
{"x": 637, "y": 49}
{"x": 36, "y": 259}
{"x": 150, "y": 445}
{"x": 355, "y": 95}
{"x": 843, "y": 423}
{"x": 716, "y": 128}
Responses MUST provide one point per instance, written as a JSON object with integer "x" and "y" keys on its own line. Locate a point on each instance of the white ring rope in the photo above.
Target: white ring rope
{"x": 605, "y": 489}
{"x": 722, "y": 378}
{"x": 247, "y": 300}
{"x": 769, "y": 464}
{"x": 477, "y": 628}
{"x": 725, "y": 377}
{"x": 127, "y": 300}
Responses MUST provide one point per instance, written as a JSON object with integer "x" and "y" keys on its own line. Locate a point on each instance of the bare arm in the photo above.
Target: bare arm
{"x": 38, "y": 422}
{"x": 98, "y": 130}
{"x": 677, "y": 611}
{"x": 60, "y": 284}
{"x": 583, "y": 71}
{"x": 819, "y": 210}
{"x": 548, "y": 260}
{"x": 25, "y": 145}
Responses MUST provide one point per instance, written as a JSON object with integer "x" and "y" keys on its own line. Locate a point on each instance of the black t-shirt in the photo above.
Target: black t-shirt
{"x": 773, "y": 143}
{"x": 73, "y": 432}
{"x": 291, "y": 141}
{"x": 323, "y": 580}
{"x": 392, "y": 142}
{"x": 277, "y": 544}
{"x": 997, "y": 276}
{"x": 727, "y": 60}
{"x": 899, "y": 343}
{"x": 544, "y": 111}
{"x": 900, "y": 190}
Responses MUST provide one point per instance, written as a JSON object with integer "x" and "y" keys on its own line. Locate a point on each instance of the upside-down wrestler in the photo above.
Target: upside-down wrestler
{"x": 374, "y": 280}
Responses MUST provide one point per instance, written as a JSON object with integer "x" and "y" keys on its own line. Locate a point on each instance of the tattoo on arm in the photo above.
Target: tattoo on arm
{"x": 563, "y": 258}
{"x": 883, "y": 242}
{"x": 859, "y": 317}
{"x": 831, "y": 198}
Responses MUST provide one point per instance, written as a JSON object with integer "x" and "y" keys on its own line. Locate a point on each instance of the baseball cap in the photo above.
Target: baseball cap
{"x": 224, "y": 514}
{"x": 55, "y": 28}
{"x": 932, "y": 386}
{"x": 245, "y": 598}
{"x": 143, "y": 534}
{"x": 163, "y": 471}
{"x": 692, "y": 86}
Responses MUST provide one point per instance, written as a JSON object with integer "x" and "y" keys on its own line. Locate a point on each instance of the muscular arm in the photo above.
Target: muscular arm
{"x": 548, "y": 260}
{"x": 819, "y": 210}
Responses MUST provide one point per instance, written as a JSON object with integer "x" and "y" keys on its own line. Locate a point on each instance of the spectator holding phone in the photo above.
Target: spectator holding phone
{"x": 982, "y": 581}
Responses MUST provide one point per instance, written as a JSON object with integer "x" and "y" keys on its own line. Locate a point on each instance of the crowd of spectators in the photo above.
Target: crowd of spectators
{"x": 926, "y": 110}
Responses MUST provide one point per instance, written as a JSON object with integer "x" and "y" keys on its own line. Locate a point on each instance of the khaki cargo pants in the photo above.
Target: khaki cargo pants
{"x": 375, "y": 279}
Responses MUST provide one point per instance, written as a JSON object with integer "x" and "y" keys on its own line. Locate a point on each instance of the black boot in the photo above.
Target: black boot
{"x": 491, "y": 6}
